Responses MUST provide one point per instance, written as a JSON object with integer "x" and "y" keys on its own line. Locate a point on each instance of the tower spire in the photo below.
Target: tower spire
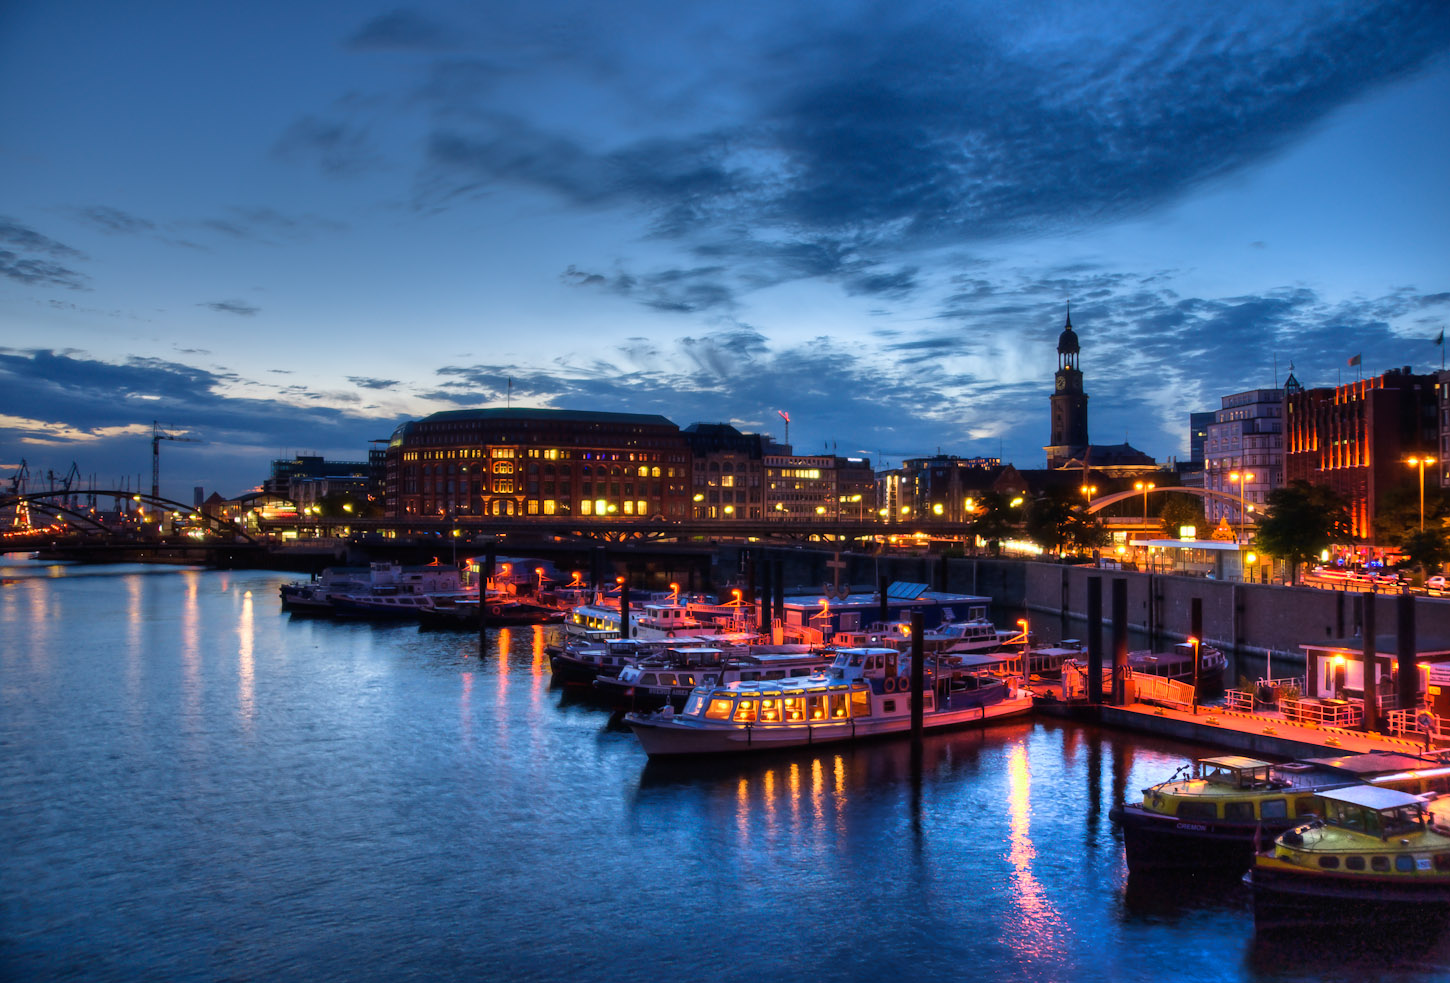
{"x": 1069, "y": 314}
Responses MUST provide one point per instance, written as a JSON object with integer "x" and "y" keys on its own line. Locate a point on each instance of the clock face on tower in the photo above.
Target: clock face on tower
{"x": 1061, "y": 383}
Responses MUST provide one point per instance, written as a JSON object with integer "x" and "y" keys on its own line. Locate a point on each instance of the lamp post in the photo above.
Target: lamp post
{"x": 1145, "y": 487}
{"x": 1420, "y": 462}
{"x": 1242, "y": 478}
{"x": 1194, "y": 642}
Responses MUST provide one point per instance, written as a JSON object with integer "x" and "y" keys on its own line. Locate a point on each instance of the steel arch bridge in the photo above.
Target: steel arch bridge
{"x": 42, "y": 502}
{"x": 1229, "y": 498}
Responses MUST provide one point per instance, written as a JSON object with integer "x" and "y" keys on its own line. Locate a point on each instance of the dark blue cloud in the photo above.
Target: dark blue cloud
{"x": 401, "y": 30}
{"x": 367, "y": 382}
{"x": 232, "y": 307}
{"x": 79, "y": 405}
{"x": 919, "y": 128}
{"x": 32, "y": 270}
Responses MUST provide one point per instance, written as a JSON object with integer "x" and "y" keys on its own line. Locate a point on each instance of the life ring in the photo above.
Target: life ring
{"x": 904, "y": 684}
{"x": 1426, "y": 720}
{"x": 890, "y": 684}
{"x": 495, "y": 610}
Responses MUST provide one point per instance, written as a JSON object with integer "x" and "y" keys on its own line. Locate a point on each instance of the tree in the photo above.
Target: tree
{"x": 994, "y": 520}
{"x": 1302, "y": 521}
{"x": 1183, "y": 510}
{"x": 1057, "y": 523}
{"x": 1047, "y": 522}
{"x": 1397, "y": 523}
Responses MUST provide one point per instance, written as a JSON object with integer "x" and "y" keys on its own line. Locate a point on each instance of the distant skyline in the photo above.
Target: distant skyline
{"x": 284, "y": 229}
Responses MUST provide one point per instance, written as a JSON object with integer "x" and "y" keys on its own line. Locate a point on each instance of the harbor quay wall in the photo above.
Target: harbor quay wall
{"x": 1240, "y": 618}
{"x": 1263, "y": 620}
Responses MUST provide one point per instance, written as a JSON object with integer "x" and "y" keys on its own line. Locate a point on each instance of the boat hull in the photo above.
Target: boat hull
{"x": 663, "y": 737}
{"x": 1154, "y": 842}
{"x": 1307, "y": 899}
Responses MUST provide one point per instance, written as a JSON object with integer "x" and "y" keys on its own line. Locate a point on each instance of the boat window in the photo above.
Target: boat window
{"x": 1238, "y": 812}
{"x": 775, "y": 674}
{"x": 838, "y": 705}
{"x": 861, "y": 703}
{"x": 1381, "y": 864}
{"x": 817, "y": 707}
{"x": 667, "y": 678}
{"x": 1274, "y": 809}
{"x": 1404, "y": 863}
{"x": 696, "y": 706}
{"x": 1304, "y": 806}
{"x": 794, "y": 708}
{"x": 770, "y": 711}
{"x": 720, "y": 708}
{"x": 856, "y": 659}
{"x": 686, "y": 679}
{"x": 647, "y": 678}
{"x": 1197, "y": 810}
{"x": 1354, "y": 863}
{"x": 745, "y": 711}
{"x": 888, "y": 706}
{"x": 1329, "y": 863}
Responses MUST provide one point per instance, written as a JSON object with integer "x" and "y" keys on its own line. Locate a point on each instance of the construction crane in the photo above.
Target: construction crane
{"x": 157, "y": 436}
{"x": 21, "y": 519}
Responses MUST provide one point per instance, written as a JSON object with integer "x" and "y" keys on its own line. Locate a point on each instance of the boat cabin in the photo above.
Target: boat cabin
{"x": 1382, "y": 812}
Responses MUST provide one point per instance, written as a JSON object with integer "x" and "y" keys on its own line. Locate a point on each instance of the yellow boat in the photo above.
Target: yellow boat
{"x": 1213, "y": 815}
{"x": 1375, "y": 857}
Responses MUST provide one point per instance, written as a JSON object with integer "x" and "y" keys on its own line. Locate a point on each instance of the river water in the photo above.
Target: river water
{"x": 195, "y": 785}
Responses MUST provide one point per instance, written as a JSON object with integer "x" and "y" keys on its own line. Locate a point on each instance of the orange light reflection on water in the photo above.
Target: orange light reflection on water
{"x": 191, "y": 647}
{"x": 465, "y": 708}
{"x": 1037, "y": 926}
{"x": 246, "y": 669}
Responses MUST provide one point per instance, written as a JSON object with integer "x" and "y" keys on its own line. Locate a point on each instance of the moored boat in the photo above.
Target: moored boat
{"x": 1375, "y": 856}
{"x": 670, "y": 677}
{"x": 1211, "y": 815}
{"x": 864, "y": 694}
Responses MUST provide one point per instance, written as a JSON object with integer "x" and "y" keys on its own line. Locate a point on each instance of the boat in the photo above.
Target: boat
{"x": 1175, "y": 665}
{"x": 498, "y": 610}
{"x": 1211, "y": 813}
{"x": 378, "y": 580}
{"x": 315, "y": 596}
{"x": 1374, "y": 857}
{"x": 669, "y": 678}
{"x": 580, "y": 662}
{"x": 864, "y": 694}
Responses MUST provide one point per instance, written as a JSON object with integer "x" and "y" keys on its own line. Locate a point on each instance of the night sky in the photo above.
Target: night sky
{"x": 282, "y": 228}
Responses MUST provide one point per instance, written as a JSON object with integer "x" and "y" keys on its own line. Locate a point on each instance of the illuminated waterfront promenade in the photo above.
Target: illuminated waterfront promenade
{"x": 197, "y": 786}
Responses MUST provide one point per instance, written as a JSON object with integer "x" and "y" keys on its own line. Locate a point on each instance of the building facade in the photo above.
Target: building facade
{"x": 728, "y": 472}
{"x": 1244, "y": 454}
{"x": 531, "y": 462}
{"x": 1355, "y": 438}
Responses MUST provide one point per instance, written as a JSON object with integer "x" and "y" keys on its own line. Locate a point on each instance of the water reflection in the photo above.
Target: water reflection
{"x": 246, "y": 668}
{"x": 1035, "y": 926}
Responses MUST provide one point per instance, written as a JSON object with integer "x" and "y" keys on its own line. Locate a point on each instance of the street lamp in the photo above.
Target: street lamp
{"x": 1194, "y": 642}
{"x": 1241, "y": 479}
{"x": 1421, "y": 462}
{"x": 1145, "y": 487}
{"x": 1088, "y": 491}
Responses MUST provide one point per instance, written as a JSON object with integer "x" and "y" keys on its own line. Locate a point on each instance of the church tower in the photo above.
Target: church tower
{"x": 1069, "y": 403}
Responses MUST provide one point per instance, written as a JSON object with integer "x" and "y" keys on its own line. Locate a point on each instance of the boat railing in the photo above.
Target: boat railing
{"x": 1414, "y": 721}
{"x": 1325, "y": 713}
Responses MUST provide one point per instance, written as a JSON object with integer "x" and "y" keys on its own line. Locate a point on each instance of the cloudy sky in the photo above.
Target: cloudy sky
{"x": 282, "y": 228}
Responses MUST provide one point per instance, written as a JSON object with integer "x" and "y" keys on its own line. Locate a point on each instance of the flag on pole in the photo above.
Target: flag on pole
{"x": 1440, "y": 338}
{"x": 1353, "y": 360}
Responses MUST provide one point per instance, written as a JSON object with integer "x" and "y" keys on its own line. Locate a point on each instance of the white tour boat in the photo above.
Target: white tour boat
{"x": 866, "y": 693}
